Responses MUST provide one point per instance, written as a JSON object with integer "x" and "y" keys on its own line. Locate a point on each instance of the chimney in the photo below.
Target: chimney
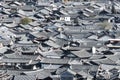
{"x": 93, "y": 50}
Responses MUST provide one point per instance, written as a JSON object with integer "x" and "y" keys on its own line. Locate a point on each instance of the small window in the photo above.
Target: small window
{"x": 99, "y": 44}
{"x": 85, "y": 44}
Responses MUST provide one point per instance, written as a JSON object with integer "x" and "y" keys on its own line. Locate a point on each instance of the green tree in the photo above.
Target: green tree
{"x": 113, "y": 10}
{"x": 25, "y": 21}
{"x": 106, "y": 25}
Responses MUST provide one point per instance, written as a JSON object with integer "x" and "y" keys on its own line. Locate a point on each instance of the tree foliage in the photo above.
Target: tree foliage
{"x": 106, "y": 25}
{"x": 113, "y": 10}
{"x": 25, "y": 21}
